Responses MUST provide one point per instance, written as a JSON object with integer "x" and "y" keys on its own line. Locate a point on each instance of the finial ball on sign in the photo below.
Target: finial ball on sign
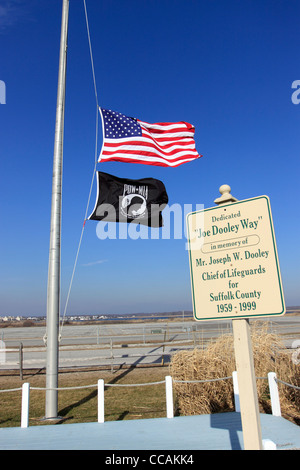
{"x": 225, "y": 188}
{"x": 225, "y": 191}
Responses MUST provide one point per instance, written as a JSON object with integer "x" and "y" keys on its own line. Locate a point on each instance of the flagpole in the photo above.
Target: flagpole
{"x": 53, "y": 293}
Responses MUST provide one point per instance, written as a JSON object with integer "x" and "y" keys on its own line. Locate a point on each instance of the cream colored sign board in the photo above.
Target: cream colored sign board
{"x": 233, "y": 261}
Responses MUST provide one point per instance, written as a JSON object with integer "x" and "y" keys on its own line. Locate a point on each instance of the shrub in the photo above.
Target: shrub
{"x": 217, "y": 361}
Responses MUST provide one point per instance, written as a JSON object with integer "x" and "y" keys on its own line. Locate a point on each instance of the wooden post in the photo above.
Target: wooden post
{"x": 21, "y": 360}
{"x": 247, "y": 385}
{"x": 163, "y": 357}
{"x": 245, "y": 366}
{"x": 111, "y": 356}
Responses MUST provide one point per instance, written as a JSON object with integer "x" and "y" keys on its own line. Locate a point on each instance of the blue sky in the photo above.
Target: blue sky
{"x": 227, "y": 67}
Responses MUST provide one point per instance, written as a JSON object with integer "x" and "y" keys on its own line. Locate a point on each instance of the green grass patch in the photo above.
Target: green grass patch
{"x": 80, "y": 405}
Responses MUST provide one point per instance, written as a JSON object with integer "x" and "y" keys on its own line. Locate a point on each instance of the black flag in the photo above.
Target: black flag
{"x": 123, "y": 200}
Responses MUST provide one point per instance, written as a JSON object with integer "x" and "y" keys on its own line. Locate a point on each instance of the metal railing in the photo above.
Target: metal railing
{"x": 105, "y": 355}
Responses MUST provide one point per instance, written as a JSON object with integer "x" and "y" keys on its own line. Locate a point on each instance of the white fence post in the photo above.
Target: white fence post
{"x": 169, "y": 396}
{"x": 25, "y": 405}
{"x": 269, "y": 445}
{"x": 236, "y": 392}
{"x": 275, "y": 402}
{"x": 100, "y": 401}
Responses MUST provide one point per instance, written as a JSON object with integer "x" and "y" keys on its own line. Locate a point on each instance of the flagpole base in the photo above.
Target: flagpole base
{"x": 55, "y": 418}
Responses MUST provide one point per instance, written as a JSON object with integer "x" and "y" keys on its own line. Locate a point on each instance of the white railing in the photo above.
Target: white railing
{"x": 272, "y": 381}
{"x": 100, "y": 386}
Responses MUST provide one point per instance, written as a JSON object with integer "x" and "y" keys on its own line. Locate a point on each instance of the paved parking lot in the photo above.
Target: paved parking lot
{"x": 124, "y": 343}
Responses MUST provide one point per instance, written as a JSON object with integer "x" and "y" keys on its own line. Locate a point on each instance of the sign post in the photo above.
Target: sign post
{"x": 235, "y": 275}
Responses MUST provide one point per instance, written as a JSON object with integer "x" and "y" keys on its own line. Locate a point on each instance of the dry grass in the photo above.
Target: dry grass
{"x": 80, "y": 405}
{"x": 217, "y": 361}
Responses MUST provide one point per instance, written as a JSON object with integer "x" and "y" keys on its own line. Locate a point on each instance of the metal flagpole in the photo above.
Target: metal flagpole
{"x": 53, "y": 294}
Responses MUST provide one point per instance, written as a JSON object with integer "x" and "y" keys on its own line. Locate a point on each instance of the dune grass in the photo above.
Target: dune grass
{"x": 217, "y": 361}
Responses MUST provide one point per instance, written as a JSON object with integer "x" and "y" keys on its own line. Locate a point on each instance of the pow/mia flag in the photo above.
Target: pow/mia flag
{"x": 126, "y": 200}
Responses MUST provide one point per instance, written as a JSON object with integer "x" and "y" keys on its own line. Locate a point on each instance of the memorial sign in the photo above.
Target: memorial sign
{"x": 233, "y": 261}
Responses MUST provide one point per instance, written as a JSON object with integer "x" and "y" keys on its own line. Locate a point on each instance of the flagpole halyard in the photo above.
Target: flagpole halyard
{"x": 94, "y": 170}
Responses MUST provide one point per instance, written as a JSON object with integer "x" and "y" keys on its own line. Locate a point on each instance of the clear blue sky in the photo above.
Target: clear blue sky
{"x": 227, "y": 67}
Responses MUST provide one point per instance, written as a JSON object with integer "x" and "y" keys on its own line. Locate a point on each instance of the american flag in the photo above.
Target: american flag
{"x": 127, "y": 139}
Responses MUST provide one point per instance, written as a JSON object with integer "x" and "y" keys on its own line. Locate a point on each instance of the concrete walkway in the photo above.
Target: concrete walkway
{"x": 222, "y": 431}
